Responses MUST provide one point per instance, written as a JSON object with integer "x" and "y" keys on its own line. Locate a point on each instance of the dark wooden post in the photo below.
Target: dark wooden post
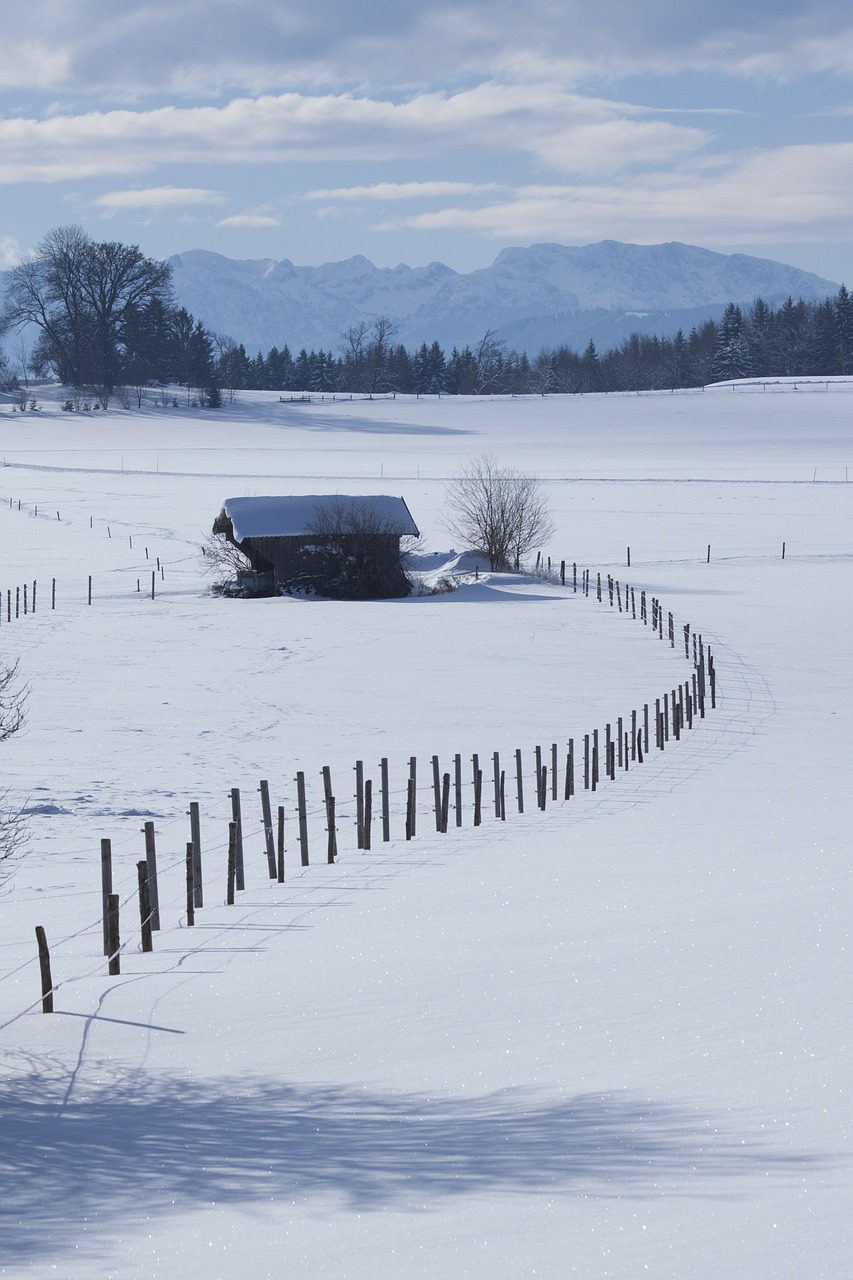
{"x": 232, "y": 863}
{"x": 359, "y": 804}
{"x": 570, "y": 770}
{"x": 633, "y": 735}
{"x": 496, "y": 762}
{"x": 332, "y": 835}
{"x": 151, "y": 864}
{"x": 478, "y": 795}
{"x": 53, "y": 593}
{"x": 586, "y": 762}
{"x": 537, "y": 766}
{"x": 457, "y": 787}
{"x": 519, "y": 781}
{"x": 106, "y": 889}
{"x": 503, "y": 795}
{"x": 553, "y": 771}
{"x": 410, "y": 807}
{"x": 445, "y": 801}
{"x": 413, "y": 777}
{"x": 436, "y": 792}
{"x": 303, "y": 817}
{"x": 646, "y": 727}
{"x": 44, "y": 967}
{"x": 195, "y": 835}
{"x": 189, "y": 869}
{"x": 237, "y": 817}
{"x": 144, "y": 906}
{"x": 386, "y": 810}
{"x": 280, "y": 868}
{"x": 563, "y": 572}
{"x": 595, "y": 776}
{"x": 266, "y": 813}
{"x": 114, "y": 945}
{"x": 368, "y": 811}
{"x": 619, "y": 739}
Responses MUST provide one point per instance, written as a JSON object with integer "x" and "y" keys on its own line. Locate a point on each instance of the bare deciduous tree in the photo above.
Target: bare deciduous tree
{"x": 13, "y": 834}
{"x": 498, "y": 511}
{"x": 222, "y": 560}
{"x": 356, "y": 554}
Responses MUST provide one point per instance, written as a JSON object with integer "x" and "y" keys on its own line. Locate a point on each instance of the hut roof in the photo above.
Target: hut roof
{"x": 289, "y": 517}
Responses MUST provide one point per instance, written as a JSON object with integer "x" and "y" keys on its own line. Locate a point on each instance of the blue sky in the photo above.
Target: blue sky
{"x": 432, "y": 132}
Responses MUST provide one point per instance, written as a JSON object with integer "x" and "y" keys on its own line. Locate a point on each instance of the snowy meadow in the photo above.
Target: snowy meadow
{"x": 607, "y": 1039}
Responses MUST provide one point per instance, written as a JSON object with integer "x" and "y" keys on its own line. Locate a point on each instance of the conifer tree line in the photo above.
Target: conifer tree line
{"x": 106, "y": 318}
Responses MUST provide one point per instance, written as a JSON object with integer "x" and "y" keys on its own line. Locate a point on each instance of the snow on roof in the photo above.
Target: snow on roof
{"x": 287, "y": 517}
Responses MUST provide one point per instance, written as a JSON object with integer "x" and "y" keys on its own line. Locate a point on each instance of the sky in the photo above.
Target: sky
{"x": 416, "y": 133}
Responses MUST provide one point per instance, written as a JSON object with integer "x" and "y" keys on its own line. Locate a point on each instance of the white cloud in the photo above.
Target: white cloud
{"x": 402, "y": 191}
{"x": 10, "y": 252}
{"x": 249, "y": 220}
{"x": 156, "y": 198}
{"x": 793, "y": 193}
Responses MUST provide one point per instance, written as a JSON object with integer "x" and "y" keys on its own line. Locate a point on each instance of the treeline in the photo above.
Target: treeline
{"x": 107, "y": 319}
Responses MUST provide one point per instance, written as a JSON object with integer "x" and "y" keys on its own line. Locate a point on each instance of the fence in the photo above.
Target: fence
{"x": 585, "y": 763}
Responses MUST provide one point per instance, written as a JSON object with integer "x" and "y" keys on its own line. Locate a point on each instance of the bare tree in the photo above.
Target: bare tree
{"x": 498, "y": 511}
{"x": 13, "y": 833}
{"x": 222, "y": 560}
{"x": 355, "y": 553}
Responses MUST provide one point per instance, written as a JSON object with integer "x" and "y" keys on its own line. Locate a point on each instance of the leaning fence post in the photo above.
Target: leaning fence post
{"x": 266, "y": 812}
{"x": 151, "y": 864}
{"x": 106, "y": 889}
{"x": 44, "y": 967}
{"x": 445, "y": 801}
{"x": 144, "y": 906}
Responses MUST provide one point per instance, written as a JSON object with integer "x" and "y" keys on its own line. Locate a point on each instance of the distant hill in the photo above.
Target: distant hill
{"x": 540, "y": 296}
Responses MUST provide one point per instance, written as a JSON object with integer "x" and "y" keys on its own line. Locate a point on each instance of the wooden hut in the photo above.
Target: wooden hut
{"x": 337, "y": 545}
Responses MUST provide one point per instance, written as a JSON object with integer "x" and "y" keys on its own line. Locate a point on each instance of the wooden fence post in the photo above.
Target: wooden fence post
{"x": 266, "y": 812}
{"x": 436, "y": 792}
{"x": 332, "y": 834}
{"x": 189, "y": 870}
{"x": 106, "y": 889}
{"x": 570, "y": 770}
{"x": 280, "y": 867}
{"x": 232, "y": 863}
{"x": 144, "y": 906}
{"x": 151, "y": 864}
{"x": 303, "y": 817}
{"x": 478, "y": 795}
{"x": 586, "y": 762}
{"x": 237, "y": 817}
{"x": 44, "y": 968}
{"x": 496, "y": 764}
{"x": 410, "y": 807}
{"x": 457, "y": 787}
{"x": 114, "y": 946}
{"x": 195, "y": 835}
{"x": 445, "y": 801}
{"x": 359, "y": 804}
{"x": 386, "y": 801}
{"x": 519, "y": 781}
{"x": 413, "y": 775}
{"x": 368, "y": 811}
{"x": 553, "y": 771}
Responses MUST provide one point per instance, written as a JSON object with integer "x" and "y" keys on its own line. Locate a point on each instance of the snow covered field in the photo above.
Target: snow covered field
{"x": 607, "y": 1040}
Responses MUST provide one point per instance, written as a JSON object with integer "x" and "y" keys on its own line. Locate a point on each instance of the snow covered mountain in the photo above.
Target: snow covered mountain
{"x": 543, "y": 295}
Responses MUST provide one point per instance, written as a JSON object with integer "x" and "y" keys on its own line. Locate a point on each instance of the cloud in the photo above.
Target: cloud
{"x": 141, "y": 49}
{"x": 561, "y": 129}
{"x": 402, "y": 191}
{"x": 10, "y": 252}
{"x": 793, "y": 193}
{"x": 249, "y": 220}
{"x": 156, "y": 198}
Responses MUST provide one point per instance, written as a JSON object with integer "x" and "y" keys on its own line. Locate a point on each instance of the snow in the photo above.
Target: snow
{"x": 282, "y": 516}
{"x": 607, "y": 1040}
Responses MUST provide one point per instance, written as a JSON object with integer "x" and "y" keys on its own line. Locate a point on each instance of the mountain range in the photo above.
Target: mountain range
{"x": 541, "y": 296}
